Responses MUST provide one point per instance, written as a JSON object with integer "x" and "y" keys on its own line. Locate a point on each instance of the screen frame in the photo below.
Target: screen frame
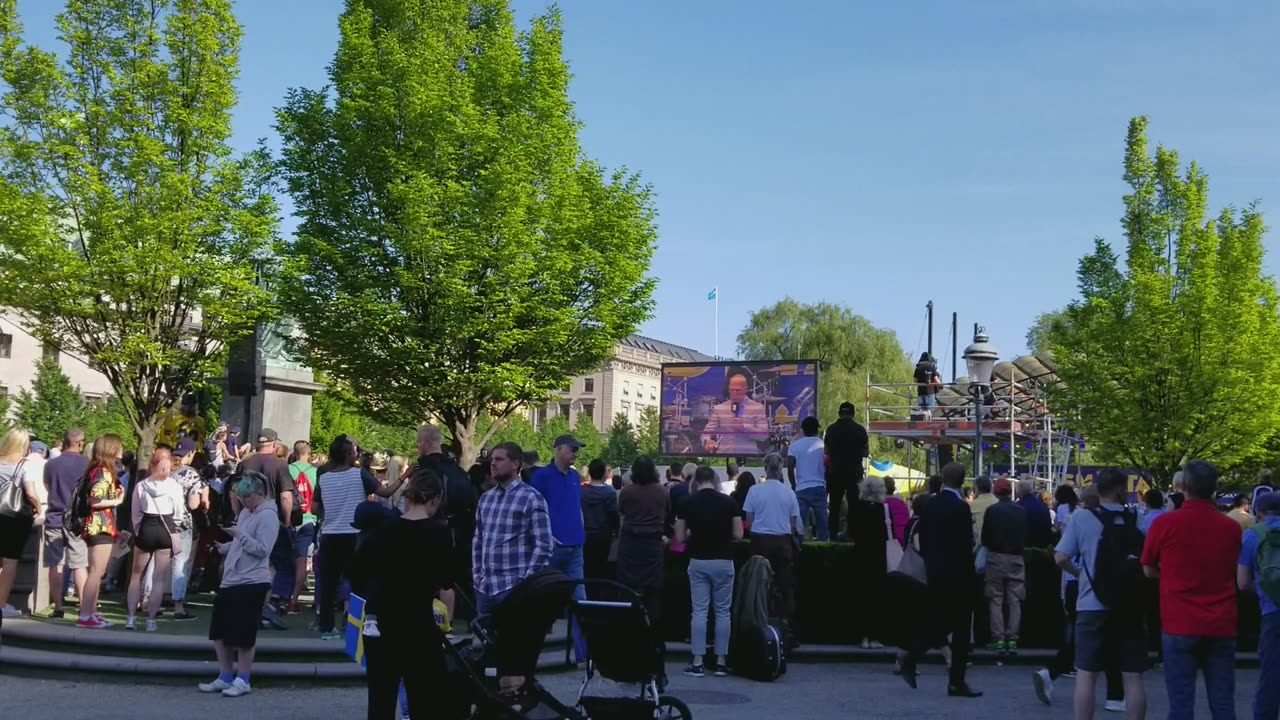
{"x": 817, "y": 377}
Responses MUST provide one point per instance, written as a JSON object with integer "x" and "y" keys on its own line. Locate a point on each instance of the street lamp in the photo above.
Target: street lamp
{"x": 980, "y": 358}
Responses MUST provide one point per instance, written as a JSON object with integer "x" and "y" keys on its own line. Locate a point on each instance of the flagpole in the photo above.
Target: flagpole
{"x": 717, "y": 343}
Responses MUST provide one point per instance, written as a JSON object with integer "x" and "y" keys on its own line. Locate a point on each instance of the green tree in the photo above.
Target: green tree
{"x": 4, "y": 413}
{"x": 109, "y": 417}
{"x": 130, "y": 228}
{"x": 334, "y": 412}
{"x": 514, "y": 428}
{"x": 1044, "y": 332}
{"x": 52, "y": 404}
{"x": 849, "y": 347}
{"x": 648, "y": 431}
{"x": 584, "y": 429}
{"x": 447, "y": 210}
{"x": 1172, "y": 357}
{"x": 620, "y": 447}
{"x": 553, "y": 428}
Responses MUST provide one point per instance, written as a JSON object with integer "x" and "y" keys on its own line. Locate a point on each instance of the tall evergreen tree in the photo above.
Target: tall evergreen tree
{"x": 449, "y": 214}
{"x": 52, "y": 404}
{"x": 1173, "y": 356}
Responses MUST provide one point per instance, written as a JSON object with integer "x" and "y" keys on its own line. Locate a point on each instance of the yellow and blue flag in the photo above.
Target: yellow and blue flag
{"x": 355, "y": 629}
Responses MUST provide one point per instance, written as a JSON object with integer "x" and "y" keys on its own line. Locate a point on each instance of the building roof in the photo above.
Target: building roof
{"x": 665, "y": 349}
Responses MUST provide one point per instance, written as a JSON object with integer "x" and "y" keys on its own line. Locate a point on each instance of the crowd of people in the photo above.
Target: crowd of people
{"x": 253, "y": 520}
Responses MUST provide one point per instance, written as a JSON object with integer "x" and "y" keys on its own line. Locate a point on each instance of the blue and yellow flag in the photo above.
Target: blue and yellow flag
{"x": 355, "y": 629}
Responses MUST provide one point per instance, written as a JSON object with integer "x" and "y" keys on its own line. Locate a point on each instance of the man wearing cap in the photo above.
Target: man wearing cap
{"x": 1004, "y": 535}
{"x": 561, "y": 486}
{"x": 275, "y": 469}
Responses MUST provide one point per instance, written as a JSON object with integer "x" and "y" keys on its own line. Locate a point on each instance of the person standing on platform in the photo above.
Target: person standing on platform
{"x": 946, "y": 543}
{"x": 846, "y": 444}
{"x": 561, "y": 486}
{"x": 806, "y": 459}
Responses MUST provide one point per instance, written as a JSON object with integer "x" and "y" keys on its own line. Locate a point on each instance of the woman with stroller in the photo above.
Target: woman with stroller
{"x": 406, "y": 559}
{"x": 709, "y": 521}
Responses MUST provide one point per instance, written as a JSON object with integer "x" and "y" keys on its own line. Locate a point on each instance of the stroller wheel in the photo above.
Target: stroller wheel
{"x": 671, "y": 708}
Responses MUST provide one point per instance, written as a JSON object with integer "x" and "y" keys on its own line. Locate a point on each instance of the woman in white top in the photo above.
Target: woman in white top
{"x": 157, "y": 502}
{"x": 15, "y": 528}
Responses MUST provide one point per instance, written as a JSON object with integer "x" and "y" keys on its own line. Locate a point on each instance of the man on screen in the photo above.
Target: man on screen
{"x": 737, "y": 426}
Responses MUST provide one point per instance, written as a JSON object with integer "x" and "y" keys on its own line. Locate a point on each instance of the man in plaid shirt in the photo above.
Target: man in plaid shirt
{"x": 513, "y": 531}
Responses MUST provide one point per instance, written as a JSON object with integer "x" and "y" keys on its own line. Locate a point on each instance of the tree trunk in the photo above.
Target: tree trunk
{"x": 464, "y": 440}
{"x": 146, "y": 436}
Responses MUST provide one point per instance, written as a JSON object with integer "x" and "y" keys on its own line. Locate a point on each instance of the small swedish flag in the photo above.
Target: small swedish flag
{"x": 712, "y": 295}
{"x": 355, "y": 629}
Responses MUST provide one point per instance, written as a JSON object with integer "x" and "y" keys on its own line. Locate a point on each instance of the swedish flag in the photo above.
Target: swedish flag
{"x": 712, "y": 295}
{"x": 355, "y": 629}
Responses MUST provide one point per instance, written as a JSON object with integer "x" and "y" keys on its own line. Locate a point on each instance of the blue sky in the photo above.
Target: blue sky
{"x": 874, "y": 154}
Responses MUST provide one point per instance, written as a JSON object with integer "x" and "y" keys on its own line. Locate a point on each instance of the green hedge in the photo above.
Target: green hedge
{"x": 830, "y": 607}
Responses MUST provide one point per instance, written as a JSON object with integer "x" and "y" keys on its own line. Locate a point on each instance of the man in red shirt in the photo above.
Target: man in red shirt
{"x": 1191, "y": 552}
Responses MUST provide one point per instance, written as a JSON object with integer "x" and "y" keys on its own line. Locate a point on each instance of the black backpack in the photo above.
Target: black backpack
{"x": 77, "y": 513}
{"x": 1117, "y": 578}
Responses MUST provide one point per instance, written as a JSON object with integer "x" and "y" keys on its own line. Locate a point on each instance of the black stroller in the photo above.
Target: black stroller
{"x": 620, "y": 644}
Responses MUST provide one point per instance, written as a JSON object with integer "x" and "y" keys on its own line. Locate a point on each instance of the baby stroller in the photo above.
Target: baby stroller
{"x": 619, "y": 642}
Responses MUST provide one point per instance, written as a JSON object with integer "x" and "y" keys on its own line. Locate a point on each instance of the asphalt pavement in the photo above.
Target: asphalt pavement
{"x": 817, "y": 691}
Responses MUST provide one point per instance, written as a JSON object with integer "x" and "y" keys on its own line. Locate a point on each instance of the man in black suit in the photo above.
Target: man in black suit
{"x": 946, "y": 543}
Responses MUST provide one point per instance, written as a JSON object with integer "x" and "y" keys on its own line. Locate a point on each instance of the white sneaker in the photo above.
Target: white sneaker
{"x": 238, "y": 687}
{"x": 371, "y": 628}
{"x": 218, "y": 685}
{"x": 151, "y": 625}
{"x": 10, "y": 611}
{"x": 1044, "y": 685}
{"x": 1116, "y": 706}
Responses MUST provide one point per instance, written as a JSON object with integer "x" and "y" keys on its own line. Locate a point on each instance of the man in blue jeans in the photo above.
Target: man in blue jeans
{"x": 1187, "y": 551}
{"x": 806, "y": 468}
{"x": 1266, "y": 699}
{"x": 561, "y": 486}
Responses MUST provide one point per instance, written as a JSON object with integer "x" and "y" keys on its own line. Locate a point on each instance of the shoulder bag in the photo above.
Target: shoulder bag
{"x": 892, "y": 550}
{"x": 13, "y": 498}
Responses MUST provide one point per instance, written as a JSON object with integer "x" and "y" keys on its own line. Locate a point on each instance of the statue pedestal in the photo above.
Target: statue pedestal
{"x": 283, "y": 404}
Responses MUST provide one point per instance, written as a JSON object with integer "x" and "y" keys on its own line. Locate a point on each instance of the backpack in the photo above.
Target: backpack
{"x": 756, "y": 646}
{"x": 77, "y": 513}
{"x": 1117, "y": 578}
{"x": 1267, "y": 563}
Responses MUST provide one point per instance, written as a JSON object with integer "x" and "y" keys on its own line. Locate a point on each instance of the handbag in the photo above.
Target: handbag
{"x": 892, "y": 550}
{"x": 13, "y": 499}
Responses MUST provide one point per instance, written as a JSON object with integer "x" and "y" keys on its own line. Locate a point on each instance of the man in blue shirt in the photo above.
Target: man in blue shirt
{"x": 1266, "y": 699}
{"x": 561, "y": 486}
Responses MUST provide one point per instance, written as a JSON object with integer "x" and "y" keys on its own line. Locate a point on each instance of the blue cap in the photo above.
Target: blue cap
{"x": 38, "y": 446}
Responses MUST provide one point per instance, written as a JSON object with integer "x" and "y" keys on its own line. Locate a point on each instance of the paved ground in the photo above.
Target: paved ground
{"x": 808, "y": 691}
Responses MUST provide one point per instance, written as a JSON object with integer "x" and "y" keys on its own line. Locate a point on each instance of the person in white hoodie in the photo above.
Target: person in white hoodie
{"x": 157, "y": 501}
{"x": 246, "y": 580}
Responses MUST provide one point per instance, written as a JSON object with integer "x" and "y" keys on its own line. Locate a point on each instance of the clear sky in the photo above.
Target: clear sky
{"x": 873, "y": 154}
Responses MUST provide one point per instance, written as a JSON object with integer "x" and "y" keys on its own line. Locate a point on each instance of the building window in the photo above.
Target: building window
{"x": 589, "y": 410}
{"x": 566, "y": 387}
{"x": 4, "y": 391}
{"x": 92, "y": 400}
{"x": 588, "y": 385}
{"x": 564, "y": 410}
{"x": 626, "y": 410}
{"x": 626, "y": 387}
{"x": 50, "y": 352}
{"x": 6, "y": 345}
{"x": 542, "y": 414}
{"x": 653, "y": 392}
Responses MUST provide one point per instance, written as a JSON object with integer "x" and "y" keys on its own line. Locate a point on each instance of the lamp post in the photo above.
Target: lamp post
{"x": 980, "y": 358}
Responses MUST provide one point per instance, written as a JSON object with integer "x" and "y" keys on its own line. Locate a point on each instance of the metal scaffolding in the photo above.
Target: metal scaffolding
{"x": 1015, "y": 417}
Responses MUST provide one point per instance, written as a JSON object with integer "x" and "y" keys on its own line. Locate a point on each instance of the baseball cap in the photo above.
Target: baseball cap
{"x": 1268, "y": 503}
{"x": 267, "y": 435}
{"x": 1002, "y": 486}
{"x": 38, "y": 446}
{"x": 234, "y": 429}
{"x": 185, "y": 446}
{"x": 569, "y": 440}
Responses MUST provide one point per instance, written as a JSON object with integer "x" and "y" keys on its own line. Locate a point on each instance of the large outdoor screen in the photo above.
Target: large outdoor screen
{"x": 735, "y": 409}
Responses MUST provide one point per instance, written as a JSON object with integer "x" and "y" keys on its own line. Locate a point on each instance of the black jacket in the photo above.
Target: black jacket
{"x": 946, "y": 542}
{"x": 600, "y": 510}
{"x": 846, "y": 445}
{"x": 1004, "y": 528}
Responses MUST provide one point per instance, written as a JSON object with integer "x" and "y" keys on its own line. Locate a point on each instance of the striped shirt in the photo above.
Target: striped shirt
{"x": 337, "y": 494}
{"x": 512, "y": 539}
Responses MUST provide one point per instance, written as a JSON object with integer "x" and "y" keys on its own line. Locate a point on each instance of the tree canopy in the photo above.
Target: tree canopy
{"x": 52, "y": 405}
{"x": 450, "y": 219}
{"x": 130, "y": 228}
{"x": 848, "y": 345}
{"x": 1172, "y": 356}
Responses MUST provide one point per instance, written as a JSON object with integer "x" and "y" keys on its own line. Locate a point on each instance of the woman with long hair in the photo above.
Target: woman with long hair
{"x": 870, "y": 526}
{"x": 157, "y": 504}
{"x": 741, "y": 486}
{"x": 643, "y": 507}
{"x": 1065, "y": 502}
{"x": 100, "y": 531}
{"x": 14, "y": 528}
